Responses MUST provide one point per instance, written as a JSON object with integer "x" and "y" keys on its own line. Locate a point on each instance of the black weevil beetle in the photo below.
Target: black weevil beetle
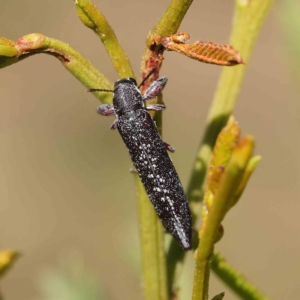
{"x": 148, "y": 154}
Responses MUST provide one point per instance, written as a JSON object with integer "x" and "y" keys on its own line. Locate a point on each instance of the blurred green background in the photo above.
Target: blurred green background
{"x": 67, "y": 197}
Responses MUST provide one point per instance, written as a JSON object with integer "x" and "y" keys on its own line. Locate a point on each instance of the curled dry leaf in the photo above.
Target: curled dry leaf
{"x": 207, "y": 52}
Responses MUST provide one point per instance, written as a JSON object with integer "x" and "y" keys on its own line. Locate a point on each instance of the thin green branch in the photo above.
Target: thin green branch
{"x": 74, "y": 62}
{"x": 90, "y": 15}
{"x": 175, "y": 263}
{"x": 226, "y": 191}
{"x": 235, "y": 280}
{"x": 290, "y": 20}
{"x": 152, "y": 246}
{"x": 168, "y": 24}
{"x": 151, "y": 241}
{"x": 171, "y": 20}
{"x": 249, "y": 16}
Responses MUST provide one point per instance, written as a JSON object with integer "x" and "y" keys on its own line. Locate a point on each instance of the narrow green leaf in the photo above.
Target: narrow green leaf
{"x": 74, "y": 62}
{"x": 91, "y": 17}
{"x": 235, "y": 280}
{"x": 246, "y": 176}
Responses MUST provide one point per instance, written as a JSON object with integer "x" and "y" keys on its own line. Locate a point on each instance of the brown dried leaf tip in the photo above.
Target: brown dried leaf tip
{"x": 207, "y": 52}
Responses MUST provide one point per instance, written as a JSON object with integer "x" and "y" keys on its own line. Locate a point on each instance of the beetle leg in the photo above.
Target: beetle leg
{"x": 106, "y": 110}
{"x": 133, "y": 170}
{"x": 169, "y": 147}
{"x": 156, "y": 107}
{"x": 155, "y": 88}
{"x": 114, "y": 125}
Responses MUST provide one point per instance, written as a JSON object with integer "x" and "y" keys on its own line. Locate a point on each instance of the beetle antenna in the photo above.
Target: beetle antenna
{"x": 147, "y": 77}
{"x": 100, "y": 90}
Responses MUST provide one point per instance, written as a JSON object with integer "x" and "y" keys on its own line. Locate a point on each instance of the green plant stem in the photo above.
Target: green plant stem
{"x": 91, "y": 16}
{"x": 291, "y": 25}
{"x": 247, "y": 23}
{"x": 74, "y": 62}
{"x": 152, "y": 242}
{"x": 201, "y": 279}
{"x": 151, "y": 230}
{"x": 227, "y": 187}
{"x": 152, "y": 247}
{"x": 246, "y": 26}
{"x": 234, "y": 279}
{"x": 168, "y": 24}
{"x": 171, "y": 20}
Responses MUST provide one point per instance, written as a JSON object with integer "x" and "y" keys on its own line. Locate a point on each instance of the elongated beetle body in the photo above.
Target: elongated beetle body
{"x": 149, "y": 155}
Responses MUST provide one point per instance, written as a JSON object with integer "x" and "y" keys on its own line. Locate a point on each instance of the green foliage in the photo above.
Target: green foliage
{"x": 291, "y": 22}
{"x": 228, "y": 169}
